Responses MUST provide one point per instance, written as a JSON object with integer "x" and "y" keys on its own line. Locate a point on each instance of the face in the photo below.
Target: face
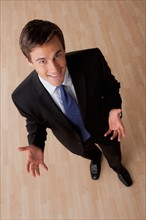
{"x": 49, "y": 61}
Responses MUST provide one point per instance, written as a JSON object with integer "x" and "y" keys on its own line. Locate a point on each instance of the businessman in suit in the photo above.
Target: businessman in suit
{"x": 75, "y": 95}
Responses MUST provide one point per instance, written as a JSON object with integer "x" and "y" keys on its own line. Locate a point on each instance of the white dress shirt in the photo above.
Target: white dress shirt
{"x": 55, "y": 92}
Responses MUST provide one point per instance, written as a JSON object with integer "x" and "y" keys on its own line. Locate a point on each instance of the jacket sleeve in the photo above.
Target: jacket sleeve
{"x": 36, "y": 132}
{"x": 110, "y": 88}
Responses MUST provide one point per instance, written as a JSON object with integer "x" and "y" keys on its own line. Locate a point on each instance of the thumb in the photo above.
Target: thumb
{"x": 119, "y": 110}
{"x": 22, "y": 148}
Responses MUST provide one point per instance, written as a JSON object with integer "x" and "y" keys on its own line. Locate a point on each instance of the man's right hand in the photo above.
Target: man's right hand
{"x": 35, "y": 158}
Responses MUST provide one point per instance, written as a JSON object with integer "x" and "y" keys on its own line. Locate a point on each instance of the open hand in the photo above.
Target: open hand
{"x": 115, "y": 125}
{"x": 35, "y": 158}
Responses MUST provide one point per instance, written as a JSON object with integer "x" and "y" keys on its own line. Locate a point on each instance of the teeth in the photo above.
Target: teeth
{"x": 53, "y": 75}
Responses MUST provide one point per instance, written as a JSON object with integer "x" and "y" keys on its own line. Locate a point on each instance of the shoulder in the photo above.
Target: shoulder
{"x": 24, "y": 87}
{"x": 88, "y": 58}
{"x": 85, "y": 56}
{"x": 89, "y": 51}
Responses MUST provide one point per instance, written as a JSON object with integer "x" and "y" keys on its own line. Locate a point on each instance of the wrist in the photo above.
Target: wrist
{"x": 116, "y": 112}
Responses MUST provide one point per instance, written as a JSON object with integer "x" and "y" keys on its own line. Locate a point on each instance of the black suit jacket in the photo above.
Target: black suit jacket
{"x": 97, "y": 91}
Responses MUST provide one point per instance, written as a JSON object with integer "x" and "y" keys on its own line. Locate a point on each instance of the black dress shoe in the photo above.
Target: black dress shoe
{"x": 125, "y": 178}
{"x": 95, "y": 168}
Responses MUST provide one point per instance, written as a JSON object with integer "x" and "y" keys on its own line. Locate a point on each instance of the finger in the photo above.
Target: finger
{"x": 108, "y": 132}
{"x": 122, "y": 129}
{"x": 33, "y": 170}
{"x": 44, "y": 165}
{"x": 38, "y": 171}
{"x": 119, "y": 136}
{"x": 22, "y": 148}
{"x": 28, "y": 167}
{"x": 115, "y": 133}
{"x": 121, "y": 133}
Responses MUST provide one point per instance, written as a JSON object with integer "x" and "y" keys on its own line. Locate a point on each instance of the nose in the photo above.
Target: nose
{"x": 53, "y": 67}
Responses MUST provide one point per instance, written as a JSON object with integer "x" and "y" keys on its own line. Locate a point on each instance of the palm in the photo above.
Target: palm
{"x": 35, "y": 155}
{"x": 34, "y": 159}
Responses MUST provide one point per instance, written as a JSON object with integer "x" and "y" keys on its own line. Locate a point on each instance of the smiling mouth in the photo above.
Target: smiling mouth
{"x": 55, "y": 75}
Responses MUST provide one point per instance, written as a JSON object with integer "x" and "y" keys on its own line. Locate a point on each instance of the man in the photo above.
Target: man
{"x": 75, "y": 95}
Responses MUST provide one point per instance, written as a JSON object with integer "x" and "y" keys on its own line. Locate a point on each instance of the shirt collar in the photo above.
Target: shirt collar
{"x": 67, "y": 79}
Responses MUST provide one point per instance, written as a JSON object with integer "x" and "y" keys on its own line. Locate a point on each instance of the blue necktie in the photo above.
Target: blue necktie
{"x": 72, "y": 112}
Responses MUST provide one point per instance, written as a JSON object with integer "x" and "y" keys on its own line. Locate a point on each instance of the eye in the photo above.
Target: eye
{"x": 58, "y": 56}
{"x": 42, "y": 61}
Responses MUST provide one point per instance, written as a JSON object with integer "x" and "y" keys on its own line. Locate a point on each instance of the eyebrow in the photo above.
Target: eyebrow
{"x": 43, "y": 58}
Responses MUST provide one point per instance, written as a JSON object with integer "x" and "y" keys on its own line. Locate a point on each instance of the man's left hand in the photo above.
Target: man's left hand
{"x": 115, "y": 125}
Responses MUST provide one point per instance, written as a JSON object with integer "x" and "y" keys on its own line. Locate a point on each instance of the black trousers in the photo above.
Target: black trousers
{"x": 111, "y": 151}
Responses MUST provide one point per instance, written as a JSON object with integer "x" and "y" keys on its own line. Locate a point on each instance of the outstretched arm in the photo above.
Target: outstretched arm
{"x": 36, "y": 138}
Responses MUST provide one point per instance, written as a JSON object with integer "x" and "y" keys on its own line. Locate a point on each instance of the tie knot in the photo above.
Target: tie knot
{"x": 61, "y": 87}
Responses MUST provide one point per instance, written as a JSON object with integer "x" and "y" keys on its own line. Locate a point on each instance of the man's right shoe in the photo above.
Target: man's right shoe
{"x": 95, "y": 169}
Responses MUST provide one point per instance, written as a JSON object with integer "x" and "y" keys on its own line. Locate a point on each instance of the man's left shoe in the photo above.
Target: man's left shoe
{"x": 124, "y": 176}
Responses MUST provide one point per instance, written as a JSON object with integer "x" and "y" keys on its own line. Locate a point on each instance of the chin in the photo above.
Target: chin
{"x": 55, "y": 83}
{"x": 58, "y": 83}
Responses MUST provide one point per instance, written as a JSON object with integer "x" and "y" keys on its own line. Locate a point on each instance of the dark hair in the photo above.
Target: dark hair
{"x": 38, "y": 32}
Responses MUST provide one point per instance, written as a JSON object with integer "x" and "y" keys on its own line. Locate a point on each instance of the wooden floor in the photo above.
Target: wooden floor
{"x": 66, "y": 191}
